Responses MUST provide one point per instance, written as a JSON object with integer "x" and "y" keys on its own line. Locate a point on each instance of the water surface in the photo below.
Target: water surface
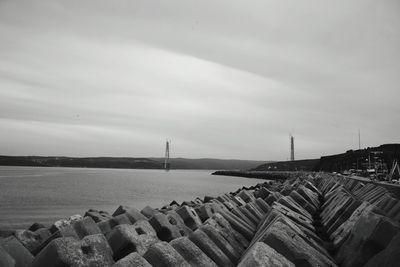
{"x": 39, "y": 194}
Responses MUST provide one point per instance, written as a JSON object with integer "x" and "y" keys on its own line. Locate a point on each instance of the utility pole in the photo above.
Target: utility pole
{"x": 359, "y": 140}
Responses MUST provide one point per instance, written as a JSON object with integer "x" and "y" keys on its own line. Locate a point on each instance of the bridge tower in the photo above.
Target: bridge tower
{"x": 167, "y": 164}
{"x": 291, "y": 148}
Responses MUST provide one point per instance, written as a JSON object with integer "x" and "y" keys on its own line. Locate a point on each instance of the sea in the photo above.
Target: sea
{"x": 47, "y": 194}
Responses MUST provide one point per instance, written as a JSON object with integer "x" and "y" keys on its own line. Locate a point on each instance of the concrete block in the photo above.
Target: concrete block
{"x": 249, "y": 215}
{"x": 5, "y": 259}
{"x": 107, "y": 226}
{"x": 262, "y": 193}
{"x": 207, "y": 199}
{"x": 238, "y": 201}
{"x": 202, "y": 240}
{"x": 390, "y": 204}
{"x": 285, "y": 191}
{"x": 239, "y": 225}
{"x": 6, "y": 232}
{"x": 341, "y": 233}
{"x": 334, "y": 211}
{"x": 206, "y": 210}
{"x": 190, "y": 217}
{"x": 97, "y": 216}
{"x": 394, "y": 210}
{"x": 312, "y": 187}
{"x": 35, "y": 226}
{"x": 294, "y": 216}
{"x": 16, "y": 250}
{"x": 246, "y": 196}
{"x": 65, "y": 222}
{"x": 286, "y": 242}
{"x": 309, "y": 196}
{"x": 32, "y": 240}
{"x": 168, "y": 226}
{"x": 342, "y": 216}
{"x": 371, "y": 234}
{"x": 221, "y": 242}
{"x": 191, "y": 253}
{"x": 263, "y": 205}
{"x": 148, "y": 212}
{"x": 262, "y": 255}
{"x": 229, "y": 205}
{"x": 125, "y": 239}
{"x": 224, "y": 227}
{"x": 133, "y": 214}
{"x": 92, "y": 250}
{"x": 309, "y": 207}
{"x": 287, "y": 201}
{"x": 274, "y": 196}
{"x": 133, "y": 259}
{"x": 244, "y": 217}
{"x": 67, "y": 231}
{"x": 86, "y": 227}
{"x": 389, "y": 257}
{"x": 308, "y": 236}
{"x": 162, "y": 254}
{"x": 255, "y": 210}
{"x": 175, "y": 219}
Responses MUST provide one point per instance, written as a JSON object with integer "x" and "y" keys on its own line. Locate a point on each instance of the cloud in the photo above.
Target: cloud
{"x": 221, "y": 80}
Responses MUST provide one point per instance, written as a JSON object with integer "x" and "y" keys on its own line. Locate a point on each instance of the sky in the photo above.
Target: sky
{"x": 220, "y": 79}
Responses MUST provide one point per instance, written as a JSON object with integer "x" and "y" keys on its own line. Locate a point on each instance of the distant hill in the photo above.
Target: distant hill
{"x": 211, "y": 164}
{"x": 90, "y": 162}
{"x": 352, "y": 159}
{"x": 296, "y": 165}
{"x": 127, "y": 163}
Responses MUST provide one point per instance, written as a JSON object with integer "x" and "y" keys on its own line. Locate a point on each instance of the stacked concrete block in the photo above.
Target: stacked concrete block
{"x": 358, "y": 219}
{"x": 92, "y": 250}
{"x": 17, "y": 251}
{"x": 125, "y": 239}
{"x": 97, "y": 216}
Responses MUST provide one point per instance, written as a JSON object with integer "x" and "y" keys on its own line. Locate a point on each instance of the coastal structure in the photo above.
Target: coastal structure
{"x": 307, "y": 219}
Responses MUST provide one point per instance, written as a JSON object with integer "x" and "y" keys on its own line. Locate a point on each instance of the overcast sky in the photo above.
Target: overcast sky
{"x": 222, "y": 79}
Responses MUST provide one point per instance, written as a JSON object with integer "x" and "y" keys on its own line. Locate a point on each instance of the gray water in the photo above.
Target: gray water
{"x": 36, "y": 194}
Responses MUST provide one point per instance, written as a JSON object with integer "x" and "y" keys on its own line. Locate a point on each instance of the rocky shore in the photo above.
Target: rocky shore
{"x": 300, "y": 219}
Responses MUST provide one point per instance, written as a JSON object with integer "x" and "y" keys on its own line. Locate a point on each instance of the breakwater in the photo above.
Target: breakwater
{"x": 267, "y": 175}
{"x": 307, "y": 219}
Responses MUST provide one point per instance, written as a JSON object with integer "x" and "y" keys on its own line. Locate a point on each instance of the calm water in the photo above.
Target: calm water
{"x": 35, "y": 194}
